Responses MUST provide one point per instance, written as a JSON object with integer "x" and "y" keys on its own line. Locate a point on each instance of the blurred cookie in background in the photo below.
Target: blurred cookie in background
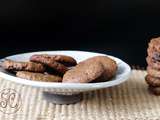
{"x": 153, "y": 69}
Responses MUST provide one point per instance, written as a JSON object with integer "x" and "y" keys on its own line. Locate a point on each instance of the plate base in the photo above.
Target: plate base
{"x": 62, "y": 99}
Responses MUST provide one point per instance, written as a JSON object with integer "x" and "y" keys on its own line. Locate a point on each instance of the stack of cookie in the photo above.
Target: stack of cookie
{"x": 41, "y": 67}
{"x": 62, "y": 68}
{"x": 94, "y": 69}
{"x": 153, "y": 68}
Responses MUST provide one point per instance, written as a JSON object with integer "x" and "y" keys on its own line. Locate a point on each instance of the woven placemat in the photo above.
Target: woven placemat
{"x": 127, "y": 101}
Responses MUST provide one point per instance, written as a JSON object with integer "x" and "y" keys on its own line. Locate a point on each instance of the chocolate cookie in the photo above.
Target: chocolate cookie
{"x": 153, "y": 54}
{"x": 152, "y": 81}
{"x": 154, "y": 90}
{"x": 110, "y": 66}
{"x": 84, "y": 72}
{"x": 22, "y": 66}
{"x": 155, "y": 44}
{"x": 63, "y": 59}
{"x": 153, "y": 63}
{"x": 38, "y": 76}
{"x": 50, "y": 63}
{"x": 153, "y": 72}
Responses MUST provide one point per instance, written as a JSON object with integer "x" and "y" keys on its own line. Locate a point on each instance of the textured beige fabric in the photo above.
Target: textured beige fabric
{"x": 128, "y": 101}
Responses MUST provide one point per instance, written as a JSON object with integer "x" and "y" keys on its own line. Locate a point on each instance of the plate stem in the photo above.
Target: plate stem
{"x": 62, "y": 99}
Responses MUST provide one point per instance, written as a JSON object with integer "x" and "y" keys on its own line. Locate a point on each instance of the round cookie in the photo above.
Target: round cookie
{"x": 153, "y": 54}
{"x": 63, "y": 59}
{"x": 153, "y": 63}
{"x": 50, "y": 63}
{"x": 155, "y": 44}
{"x": 152, "y": 81}
{"x": 83, "y": 72}
{"x": 38, "y": 76}
{"x": 110, "y": 66}
{"x": 153, "y": 72}
{"x": 154, "y": 90}
{"x": 22, "y": 66}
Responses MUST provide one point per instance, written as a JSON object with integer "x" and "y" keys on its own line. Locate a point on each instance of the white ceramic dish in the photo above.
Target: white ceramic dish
{"x": 68, "y": 88}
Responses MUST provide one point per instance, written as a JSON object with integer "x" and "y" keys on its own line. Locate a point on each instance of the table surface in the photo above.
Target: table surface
{"x": 129, "y": 100}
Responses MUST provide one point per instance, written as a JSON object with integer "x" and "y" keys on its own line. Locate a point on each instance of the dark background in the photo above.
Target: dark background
{"x": 119, "y": 27}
